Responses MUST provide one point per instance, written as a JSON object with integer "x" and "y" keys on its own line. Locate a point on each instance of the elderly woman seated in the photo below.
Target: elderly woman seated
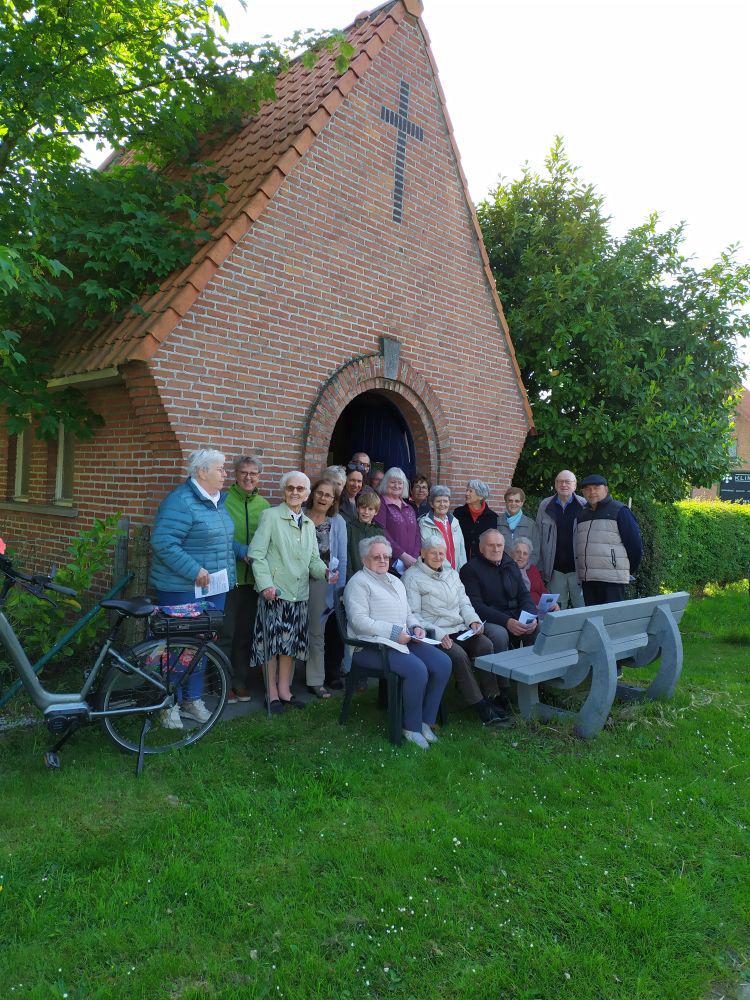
{"x": 378, "y": 610}
{"x": 521, "y": 552}
{"x": 438, "y": 600}
{"x": 439, "y": 522}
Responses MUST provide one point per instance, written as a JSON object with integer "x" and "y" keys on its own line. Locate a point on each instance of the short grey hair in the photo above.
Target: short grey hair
{"x": 204, "y": 458}
{"x": 479, "y": 487}
{"x": 522, "y": 540}
{"x": 439, "y": 491}
{"x": 335, "y": 470}
{"x": 491, "y": 531}
{"x": 247, "y": 460}
{"x": 367, "y": 543}
{"x": 395, "y": 473}
{"x": 433, "y": 542}
{"x": 293, "y": 475}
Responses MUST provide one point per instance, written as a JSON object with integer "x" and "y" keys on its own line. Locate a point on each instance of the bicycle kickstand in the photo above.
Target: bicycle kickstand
{"x": 51, "y": 760}
{"x": 147, "y": 723}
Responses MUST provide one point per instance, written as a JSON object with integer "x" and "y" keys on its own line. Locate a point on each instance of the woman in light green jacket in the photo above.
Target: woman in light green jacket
{"x": 284, "y": 554}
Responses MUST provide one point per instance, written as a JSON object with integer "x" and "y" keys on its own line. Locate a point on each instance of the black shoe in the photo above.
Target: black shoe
{"x": 501, "y": 702}
{"x": 292, "y": 702}
{"x": 492, "y": 716}
{"x": 336, "y": 684}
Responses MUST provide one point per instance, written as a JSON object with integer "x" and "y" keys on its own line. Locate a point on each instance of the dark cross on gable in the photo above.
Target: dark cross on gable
{"x": 405, "y": 128}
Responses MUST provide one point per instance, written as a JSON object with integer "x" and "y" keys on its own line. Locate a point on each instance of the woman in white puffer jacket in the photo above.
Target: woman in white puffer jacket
{"x": 438, "y": 601}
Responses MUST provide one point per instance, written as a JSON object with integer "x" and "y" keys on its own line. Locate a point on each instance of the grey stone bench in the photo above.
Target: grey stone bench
{"x": 581, "y": 642}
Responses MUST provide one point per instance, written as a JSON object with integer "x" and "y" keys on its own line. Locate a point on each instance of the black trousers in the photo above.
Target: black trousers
{"x": 596, "y": 592}
{"x": 237, "y": 631}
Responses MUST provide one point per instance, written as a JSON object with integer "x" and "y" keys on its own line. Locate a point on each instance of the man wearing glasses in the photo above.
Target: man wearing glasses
{"x": 556, "y": 520}
{"x": 244, "y": 505}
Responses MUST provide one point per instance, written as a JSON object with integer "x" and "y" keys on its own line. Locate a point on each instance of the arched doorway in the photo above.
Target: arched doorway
{"x": 375, "y": 425}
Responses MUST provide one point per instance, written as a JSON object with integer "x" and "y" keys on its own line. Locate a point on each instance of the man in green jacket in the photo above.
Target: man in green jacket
{"x": 244, "y": 505}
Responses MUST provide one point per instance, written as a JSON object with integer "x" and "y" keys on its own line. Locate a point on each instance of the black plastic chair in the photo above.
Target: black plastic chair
{"x": 392, "y": 683}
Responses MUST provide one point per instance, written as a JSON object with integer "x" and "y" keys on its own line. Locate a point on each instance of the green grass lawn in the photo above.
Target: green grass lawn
{"x": 295, "y": 858}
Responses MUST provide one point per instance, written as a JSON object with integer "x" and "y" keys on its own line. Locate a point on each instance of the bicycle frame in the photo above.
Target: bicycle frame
{"x": 46, "y": 700}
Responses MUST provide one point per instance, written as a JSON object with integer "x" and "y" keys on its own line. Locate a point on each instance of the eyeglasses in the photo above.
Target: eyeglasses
{"x": 247, "y": 475}
{"x": 378, "y": 556}
{"x": 295, "y": 489}
{"x": 323, "y": 496}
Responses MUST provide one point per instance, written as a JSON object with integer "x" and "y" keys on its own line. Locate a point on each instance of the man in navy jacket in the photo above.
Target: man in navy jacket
{"x": 495, "y": 587}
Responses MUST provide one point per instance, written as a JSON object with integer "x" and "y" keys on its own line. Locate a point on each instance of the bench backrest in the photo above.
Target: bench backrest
{"x": 560, "y": 630}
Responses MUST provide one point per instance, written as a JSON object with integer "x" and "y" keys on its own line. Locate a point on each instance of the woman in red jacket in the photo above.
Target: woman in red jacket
{"x": 520, "y": 553}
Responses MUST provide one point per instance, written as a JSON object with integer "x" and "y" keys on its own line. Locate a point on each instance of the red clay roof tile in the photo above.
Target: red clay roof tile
{"x": 256, "y": 160}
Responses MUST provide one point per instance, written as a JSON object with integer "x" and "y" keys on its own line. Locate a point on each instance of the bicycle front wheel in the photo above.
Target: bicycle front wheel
{"x": 181, "y": 690}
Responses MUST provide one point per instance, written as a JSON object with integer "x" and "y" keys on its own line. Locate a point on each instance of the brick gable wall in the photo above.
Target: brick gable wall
{"x": 288, "y": 331}
{"x": 326, "y": 272}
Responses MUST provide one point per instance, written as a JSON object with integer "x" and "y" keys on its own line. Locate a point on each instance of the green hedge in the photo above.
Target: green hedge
{"x": 687, "y": 544}
{"x": 692, "y": 543}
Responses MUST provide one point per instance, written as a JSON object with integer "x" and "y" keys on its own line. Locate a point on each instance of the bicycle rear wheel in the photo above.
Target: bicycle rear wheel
{"x": 194, "y": 687}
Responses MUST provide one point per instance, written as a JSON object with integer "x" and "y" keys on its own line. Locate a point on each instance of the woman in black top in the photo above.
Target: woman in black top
{"x": 475, "y": 516}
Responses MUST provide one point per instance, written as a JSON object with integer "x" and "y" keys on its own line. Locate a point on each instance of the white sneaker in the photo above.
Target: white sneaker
{"x": 195, "y": 710}
{"x": 428, "y": 733}
{"x": 170, "y": 718}
{"x": 416, "y": 738}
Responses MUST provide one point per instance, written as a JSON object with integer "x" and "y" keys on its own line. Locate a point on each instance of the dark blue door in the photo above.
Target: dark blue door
{"x": 372, "y": 424}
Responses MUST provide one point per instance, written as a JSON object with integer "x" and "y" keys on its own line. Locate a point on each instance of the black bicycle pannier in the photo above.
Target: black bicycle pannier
{"x": 200, "y": 618}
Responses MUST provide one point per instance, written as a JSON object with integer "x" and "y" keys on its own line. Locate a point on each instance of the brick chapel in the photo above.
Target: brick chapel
{"x": 345, "y": 302}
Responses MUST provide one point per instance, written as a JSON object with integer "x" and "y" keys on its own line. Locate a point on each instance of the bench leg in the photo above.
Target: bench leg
{"x": 531, "y": 708}
{"x": 594, "y": 712}
{"x": 664, "y": 636}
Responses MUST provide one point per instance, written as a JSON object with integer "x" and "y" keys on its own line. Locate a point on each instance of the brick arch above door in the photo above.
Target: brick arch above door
{"x": 409, "y": 391}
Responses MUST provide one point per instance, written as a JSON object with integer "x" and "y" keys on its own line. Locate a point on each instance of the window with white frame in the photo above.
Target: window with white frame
{"x": 22, "y": 464}
{"x": 64, "y": 466}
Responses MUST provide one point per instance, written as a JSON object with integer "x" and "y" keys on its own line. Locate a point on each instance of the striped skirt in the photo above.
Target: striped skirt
{"x": 285, "y": 625}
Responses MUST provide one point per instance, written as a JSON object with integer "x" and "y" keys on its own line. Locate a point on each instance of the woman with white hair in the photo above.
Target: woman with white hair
{"x": 193, "y": 537}
{"x": 284, "y": 554}
{"x": 475, "y": 517}
{"x": 438, "y": 600}
{"x": 439, "y": 522}
{"x": 398, "y": 520}
{"x": 377, "y": 610}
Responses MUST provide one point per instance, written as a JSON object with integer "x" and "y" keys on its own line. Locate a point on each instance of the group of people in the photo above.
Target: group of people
{"x": 438, "y": 588}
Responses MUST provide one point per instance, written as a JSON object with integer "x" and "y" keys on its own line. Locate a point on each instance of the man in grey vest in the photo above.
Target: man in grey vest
{"x": 608, "y": 546}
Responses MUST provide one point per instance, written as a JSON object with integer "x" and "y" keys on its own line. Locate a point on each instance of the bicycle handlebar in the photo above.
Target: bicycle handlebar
{"x": 38, "y": 580}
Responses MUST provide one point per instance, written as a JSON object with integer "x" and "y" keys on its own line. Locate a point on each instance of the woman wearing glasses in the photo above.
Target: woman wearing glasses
{"x": 284, "y": 554}
{"x": 330, "y": 531}
{"x": 377, "y": 610}
{"x": 193, "y": 537}
{"x": 398, "y": 520}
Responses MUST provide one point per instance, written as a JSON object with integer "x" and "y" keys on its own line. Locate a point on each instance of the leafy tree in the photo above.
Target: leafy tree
{"x": 627, "y": 351}
{"x": 76, "y": 245}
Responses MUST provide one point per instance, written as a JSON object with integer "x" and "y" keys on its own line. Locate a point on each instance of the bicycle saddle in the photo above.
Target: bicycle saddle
{"x": 139, "y": 607}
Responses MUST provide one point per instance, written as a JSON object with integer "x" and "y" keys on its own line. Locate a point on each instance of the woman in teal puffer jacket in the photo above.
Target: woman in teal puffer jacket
{"x": 193, "y": 537}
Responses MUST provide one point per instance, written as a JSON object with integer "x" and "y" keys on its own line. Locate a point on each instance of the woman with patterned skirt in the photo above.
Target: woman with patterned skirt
{"x": 284, "y": 555}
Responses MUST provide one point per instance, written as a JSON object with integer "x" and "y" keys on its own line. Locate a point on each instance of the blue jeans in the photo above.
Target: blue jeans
{"x": 425, "y": 670}
{"x": 194, "y": 686}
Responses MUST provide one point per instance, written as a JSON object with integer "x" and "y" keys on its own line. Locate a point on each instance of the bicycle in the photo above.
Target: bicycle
{"x": 131, "y": 692}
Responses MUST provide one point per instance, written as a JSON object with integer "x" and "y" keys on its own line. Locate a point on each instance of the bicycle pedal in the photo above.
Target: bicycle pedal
{"x": 51, "y": 761}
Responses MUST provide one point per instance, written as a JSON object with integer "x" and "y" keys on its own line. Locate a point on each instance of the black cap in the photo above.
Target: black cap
{"x": 593, "y": 481}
